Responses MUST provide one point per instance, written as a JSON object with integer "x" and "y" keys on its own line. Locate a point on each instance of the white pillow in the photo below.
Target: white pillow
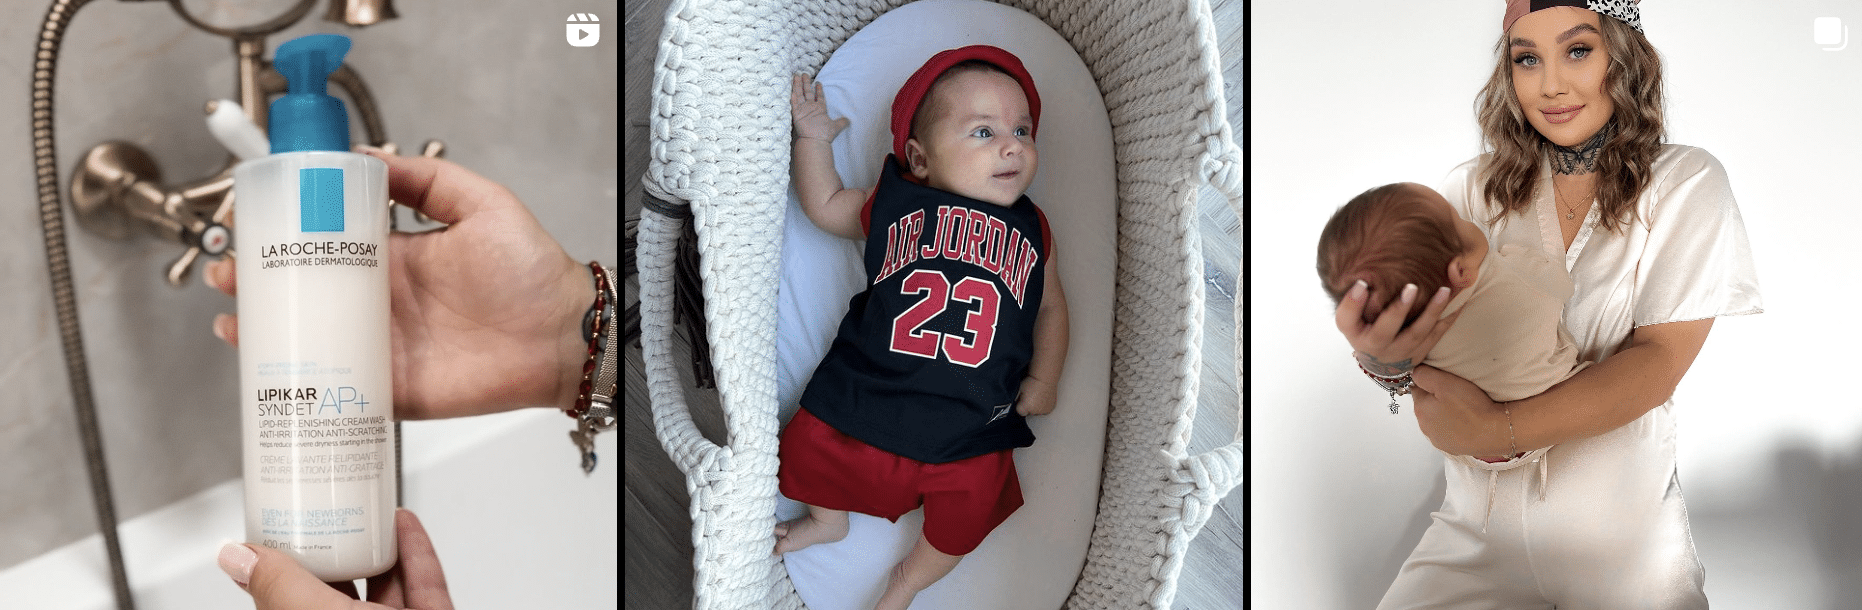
{"x": 1033, "y": 559}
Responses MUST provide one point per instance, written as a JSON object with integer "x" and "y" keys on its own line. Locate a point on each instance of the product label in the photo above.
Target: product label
{"x": 318, "y": 253}
{"x": 320, "y": 204}
{"x": 305, "y": 401}
{"x": 320, "y": 451}
{"x": 364, "y": 463}
{"x": 311, "y": 522}
{"x": 310, "y": 417}
{"x": 289, "y": 432}
{"x": 316, "y": 380}
{"x": 347, "y": 425}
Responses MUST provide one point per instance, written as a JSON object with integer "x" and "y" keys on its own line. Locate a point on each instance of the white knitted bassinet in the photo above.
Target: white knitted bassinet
{"x": 719, "y": 145}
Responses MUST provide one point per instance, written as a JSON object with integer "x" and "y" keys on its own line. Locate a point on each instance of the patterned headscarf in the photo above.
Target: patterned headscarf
{"x": 1623, "y": 10}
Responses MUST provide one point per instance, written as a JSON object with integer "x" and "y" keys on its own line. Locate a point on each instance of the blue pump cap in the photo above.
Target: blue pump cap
{"x": 307, "y": 118}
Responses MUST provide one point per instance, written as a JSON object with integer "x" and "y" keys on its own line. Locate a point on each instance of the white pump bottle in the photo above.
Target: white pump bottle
{"x": 314, "y": 362}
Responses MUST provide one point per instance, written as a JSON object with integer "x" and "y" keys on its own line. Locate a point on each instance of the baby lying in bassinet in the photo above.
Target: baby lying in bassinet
{"x": 1510, "y": 339}
{"x": 960, "y": 333}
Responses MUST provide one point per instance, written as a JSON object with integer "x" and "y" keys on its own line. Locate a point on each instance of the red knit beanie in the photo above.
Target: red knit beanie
{"x": 905, "y": 104}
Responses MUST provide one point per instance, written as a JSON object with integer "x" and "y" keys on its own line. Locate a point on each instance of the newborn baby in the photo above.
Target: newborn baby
{"x": 1510, "y": 339}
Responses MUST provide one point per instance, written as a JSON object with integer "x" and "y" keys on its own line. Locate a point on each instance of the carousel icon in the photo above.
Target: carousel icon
{"x": 1830, "y": 33}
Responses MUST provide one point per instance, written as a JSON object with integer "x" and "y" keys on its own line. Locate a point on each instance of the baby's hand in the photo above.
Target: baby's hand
{"x": 810, "y": 110}
{"x": 1037, "y": 397}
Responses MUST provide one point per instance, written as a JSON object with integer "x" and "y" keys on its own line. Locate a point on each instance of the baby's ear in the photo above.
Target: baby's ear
{"x": 915, "y": 159}
{"x": 1460, "y": 275}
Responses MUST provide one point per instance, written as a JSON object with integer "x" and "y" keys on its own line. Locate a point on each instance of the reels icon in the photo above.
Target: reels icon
{"x": 584, "y": 30}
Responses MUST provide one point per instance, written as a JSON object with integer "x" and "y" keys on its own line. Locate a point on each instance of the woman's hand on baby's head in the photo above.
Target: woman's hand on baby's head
{"x": 809, "y": 107}
{"x": 1384, "y": 346}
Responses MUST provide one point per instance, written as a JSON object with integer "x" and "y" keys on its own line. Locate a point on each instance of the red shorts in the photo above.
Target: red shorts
{"x": 964, "y": 500}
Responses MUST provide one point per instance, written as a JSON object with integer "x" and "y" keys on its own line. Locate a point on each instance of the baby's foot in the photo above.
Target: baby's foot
{"x": 807, "y": 531}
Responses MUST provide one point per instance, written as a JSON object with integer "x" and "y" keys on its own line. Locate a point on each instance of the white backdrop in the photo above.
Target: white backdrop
{"x": 1350, "y": 94}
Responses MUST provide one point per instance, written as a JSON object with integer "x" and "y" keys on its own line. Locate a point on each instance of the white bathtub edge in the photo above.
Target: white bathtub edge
{"x": 174, "y": 541}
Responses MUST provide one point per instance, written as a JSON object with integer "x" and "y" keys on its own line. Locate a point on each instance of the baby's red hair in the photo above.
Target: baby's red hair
{"x": 1387, "y": 237}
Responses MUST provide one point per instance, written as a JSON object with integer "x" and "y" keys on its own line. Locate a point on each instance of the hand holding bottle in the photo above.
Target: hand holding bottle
{"x": 276, "y": 582}
{"x": 485, "y": 314}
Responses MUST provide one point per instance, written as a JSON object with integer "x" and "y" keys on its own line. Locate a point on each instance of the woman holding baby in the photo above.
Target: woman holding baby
{"x": 1653, "y": 242}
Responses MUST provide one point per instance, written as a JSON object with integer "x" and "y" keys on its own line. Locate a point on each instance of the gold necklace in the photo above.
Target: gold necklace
{"x": 1571, "y": 211}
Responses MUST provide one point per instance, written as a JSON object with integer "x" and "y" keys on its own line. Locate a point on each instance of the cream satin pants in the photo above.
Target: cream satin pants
{"x": 1592, "y": 524}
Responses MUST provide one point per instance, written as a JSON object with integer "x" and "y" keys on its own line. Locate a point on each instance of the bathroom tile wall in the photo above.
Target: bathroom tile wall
{"x": 495, "y": 80}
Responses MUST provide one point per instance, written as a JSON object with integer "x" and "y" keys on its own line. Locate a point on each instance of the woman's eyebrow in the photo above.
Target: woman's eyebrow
{"x": 1574, "y": 31}
{"x": 1578, "y": 29}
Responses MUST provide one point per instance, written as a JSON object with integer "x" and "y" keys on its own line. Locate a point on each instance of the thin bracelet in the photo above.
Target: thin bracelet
{"x": 1512, "y": 442}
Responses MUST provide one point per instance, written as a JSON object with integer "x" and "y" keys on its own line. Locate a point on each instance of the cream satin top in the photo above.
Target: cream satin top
{"x": 1684, "y": 257}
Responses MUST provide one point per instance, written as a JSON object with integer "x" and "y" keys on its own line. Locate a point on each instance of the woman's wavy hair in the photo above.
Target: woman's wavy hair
{"x": 1633, "y": 81}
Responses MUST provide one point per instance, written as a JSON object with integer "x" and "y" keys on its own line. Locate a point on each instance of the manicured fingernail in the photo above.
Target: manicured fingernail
{"x": 1359, "y": 289}
{"x": 1441, "y": 293}
{"x": 222, "y": 325}
{"x": 237, "y": 561}
{"x": 215, "y": 275}
{"x": 1409, "y": 293}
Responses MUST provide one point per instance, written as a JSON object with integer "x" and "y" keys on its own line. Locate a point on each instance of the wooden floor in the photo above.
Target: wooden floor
{"x": 657, "y": 542}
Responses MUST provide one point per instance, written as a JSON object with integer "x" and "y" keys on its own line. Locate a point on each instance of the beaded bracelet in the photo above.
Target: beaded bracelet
{"x": 594, "y": 401}
{"x": 1396, "y": 386}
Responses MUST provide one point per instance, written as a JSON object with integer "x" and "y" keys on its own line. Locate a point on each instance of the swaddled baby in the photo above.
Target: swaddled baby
{"x": 1510, "y": 339}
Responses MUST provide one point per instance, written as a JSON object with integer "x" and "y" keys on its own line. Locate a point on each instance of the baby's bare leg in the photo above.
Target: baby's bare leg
{"x": 923, "y": 566}
{"x": 818, "y": 526}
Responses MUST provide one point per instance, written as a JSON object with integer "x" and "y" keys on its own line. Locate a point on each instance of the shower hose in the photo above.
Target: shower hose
{"x": 64, "y": 295}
